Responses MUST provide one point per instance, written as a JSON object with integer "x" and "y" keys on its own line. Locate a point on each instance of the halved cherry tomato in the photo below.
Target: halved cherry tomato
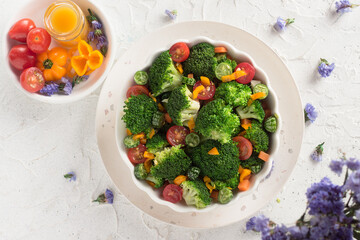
{"x": 249, "y": 69}
{"x": 179, "y": 52}
{"x": 207, "y": 93}
{"x": 176, "y": 135}
{"x": 20, "y": 29}
{"x": 32, "y": 79}
{"x": 21, "y": 57}
{"x": 136, "y": 154}
{"x": 245, "y": 147}
{"x": 38, "y": 40}
{"x": 137, "y": 90}
{"x": 172, "y": 193}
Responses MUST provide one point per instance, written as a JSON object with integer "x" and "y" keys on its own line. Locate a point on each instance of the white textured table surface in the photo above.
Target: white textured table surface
{"x": 40, "y": 142}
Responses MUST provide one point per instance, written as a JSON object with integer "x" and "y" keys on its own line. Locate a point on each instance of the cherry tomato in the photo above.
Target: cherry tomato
{"x": 207, "y": 93}
{"x": 137, "y": 90}
{"x": 172, "y": 193}
{"x": 32, "y": 79}
{"x": 136, "y": 154}
{"x": 179, "y": 52}
{"x": 245, "y": 147}
{"x": 176, "y": 135}
{"x": 20, "y": 29}
{"x": 21, "y": 57}
{"x": 38, "y": 40}
{"x": 249, "y": 69}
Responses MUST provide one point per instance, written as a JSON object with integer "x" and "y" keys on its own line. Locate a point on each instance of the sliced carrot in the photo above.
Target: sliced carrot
{"x": 191, "y": 124}
{"x": 197, "y": 90}
{"x": 240, "y": 169}
{"x": 161, "y": 107}
{"x": 148, "y": 155}
{"x": 246, "y": 126}
{"x": 214, "y": 194}
{"x": 168, "y": 118}
{"x": 213, "y": 151}
{"x": 152, "y": 133}
{"x": 233, "y": 76}
{"x": 139, "y": 136}
{"x": 263, "y": 156}
{"x": 143, "y": 141}
{"x": 205, "y": 81}
{"x": 128, "y": 132}
{"x": 244, "y": 185}
{"x": 180, "y": 179}
{"x": 190, "y": 75}
{"x": 206, "y": 179}
{"x": 220, "y": 50}
{"x": 151, "y": 183}
{"x": 179, "y": 67}
{"x": 148, "y": 165}
{"x": 244, "y": 173}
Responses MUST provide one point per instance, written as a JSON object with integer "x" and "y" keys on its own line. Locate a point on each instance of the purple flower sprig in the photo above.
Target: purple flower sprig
{"x": 310, "y": 113}
{"x": 281, "y": 23}
{"x": 317, "y": 154}
{"x": 50, "y": 89}
{"x": 65, "y": 86}
{"x": 71, "y": 176}
{"x": 107, "y": 197}
{"x": 97, "y": 33}
{"x": 325, "y": 68}
{"x": 344, "y": 6}
{"x": 171, "y": 14}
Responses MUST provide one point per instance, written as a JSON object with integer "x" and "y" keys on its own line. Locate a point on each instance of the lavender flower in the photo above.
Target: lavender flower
{"x": 317, "y": 154}
{"x": 50, "y": 89}
{"x": 259, "y": 224}
{"x": 336, "y": 166}
{"x": 281, "y": 24}
{"x": 78, "y": 79}
{"x": 344, "y": 6}
{"x": 71, "y": 176}
{"x": 353, "y": 164}
{"x": 96, "y": 24}
{"x": 298, "y": 232}
{"x": 353, "y": 184}
{"x": 91, "y": 36}
{"x": 310, "y": 113}
{"x": 325, "y": 68}
{"x": 98, "y": 33}
{"x": 108, "y": 197}
{"x": 357, "y": 214}
{"x": 65, "y": 86}
{"x": 171, "y": 14}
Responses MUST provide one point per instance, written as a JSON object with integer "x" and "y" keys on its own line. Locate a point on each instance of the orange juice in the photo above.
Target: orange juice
{"x": 66, "y": 23}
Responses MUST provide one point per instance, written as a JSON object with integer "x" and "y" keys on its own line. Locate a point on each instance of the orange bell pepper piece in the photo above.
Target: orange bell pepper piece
{"x": 233, "y": 76}
{"x": 53, "y": 63}
{"x": 213, "y": 151}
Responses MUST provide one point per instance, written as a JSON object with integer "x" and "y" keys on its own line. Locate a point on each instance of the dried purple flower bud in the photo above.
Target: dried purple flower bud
{"x": 71, "y": 176}
{"x": 96, "y": 25}
{"x": 108, "y": 197}
{"x": 50, "y": 89}
{"x": 171, "y": 14}
{"x": 91, "y": 36}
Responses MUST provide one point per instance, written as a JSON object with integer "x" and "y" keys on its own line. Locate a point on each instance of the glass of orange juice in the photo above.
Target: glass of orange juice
{"x": 66, "y": 23}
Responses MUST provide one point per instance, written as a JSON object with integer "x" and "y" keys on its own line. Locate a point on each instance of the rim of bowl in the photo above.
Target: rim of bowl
{"x": 60, "y": 99}
{"x": 275, "y": 137}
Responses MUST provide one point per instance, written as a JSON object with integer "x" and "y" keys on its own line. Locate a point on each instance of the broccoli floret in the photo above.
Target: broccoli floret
{"x": 196, "y": 193}
{"x": 255, "y": 111}
{"x": 216, "y": 121}
{"x": 216, "y": 167}
{"x": 225, "y": 195}
{"x": 234, "y": 93}
{"x": 254, "y": 163}
{"x": 139, "y": 111}
{"x": 157, "y": 181}
{"x": 188, "y": 81}
{"x": 157, "y": 143}
{"x": 163, "y": 75}
{"x": 258, "y": 137}
{"x": 140, "y": 171}
{"x": 181, "y": 107}
{"x": 170, "y": 162}
{"x": 201, "y": 61}
{"x": 231, "y": 182}
{"x": 193, "y": 173}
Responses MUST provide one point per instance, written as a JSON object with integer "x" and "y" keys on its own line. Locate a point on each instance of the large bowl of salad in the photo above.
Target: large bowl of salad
{"x": 199, "y": 125}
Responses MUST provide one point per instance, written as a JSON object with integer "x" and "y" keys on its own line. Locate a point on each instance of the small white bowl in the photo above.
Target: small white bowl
{"x": 35, "y": 10}
{"x": 239, "y": 56}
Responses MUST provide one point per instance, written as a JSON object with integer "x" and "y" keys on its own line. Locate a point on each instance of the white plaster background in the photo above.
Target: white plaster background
{"x": 41, "y": 142}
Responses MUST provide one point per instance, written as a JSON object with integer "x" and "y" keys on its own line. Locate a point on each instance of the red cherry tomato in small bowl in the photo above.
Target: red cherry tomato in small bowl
{"x": 176, "y": 135}
{"x": 172, "y": 193}
{"x": 137, "y": 90}
{"x": 32, "y": 79}
{"x": 136, "y": 154}
{"x": 20, "y": 29}
{"x": 249, "y": 69}
{"x": 245, "y": 147}
{"x": 21, "y": 57}
{"x": 38, "y": 40}
{"x": 207, "y": 93}
{"x": 179, "y": 52}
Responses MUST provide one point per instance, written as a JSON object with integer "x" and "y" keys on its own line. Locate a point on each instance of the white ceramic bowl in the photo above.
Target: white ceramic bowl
{"x": 35, "y": 10}
{"x": 239, "y": 56}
